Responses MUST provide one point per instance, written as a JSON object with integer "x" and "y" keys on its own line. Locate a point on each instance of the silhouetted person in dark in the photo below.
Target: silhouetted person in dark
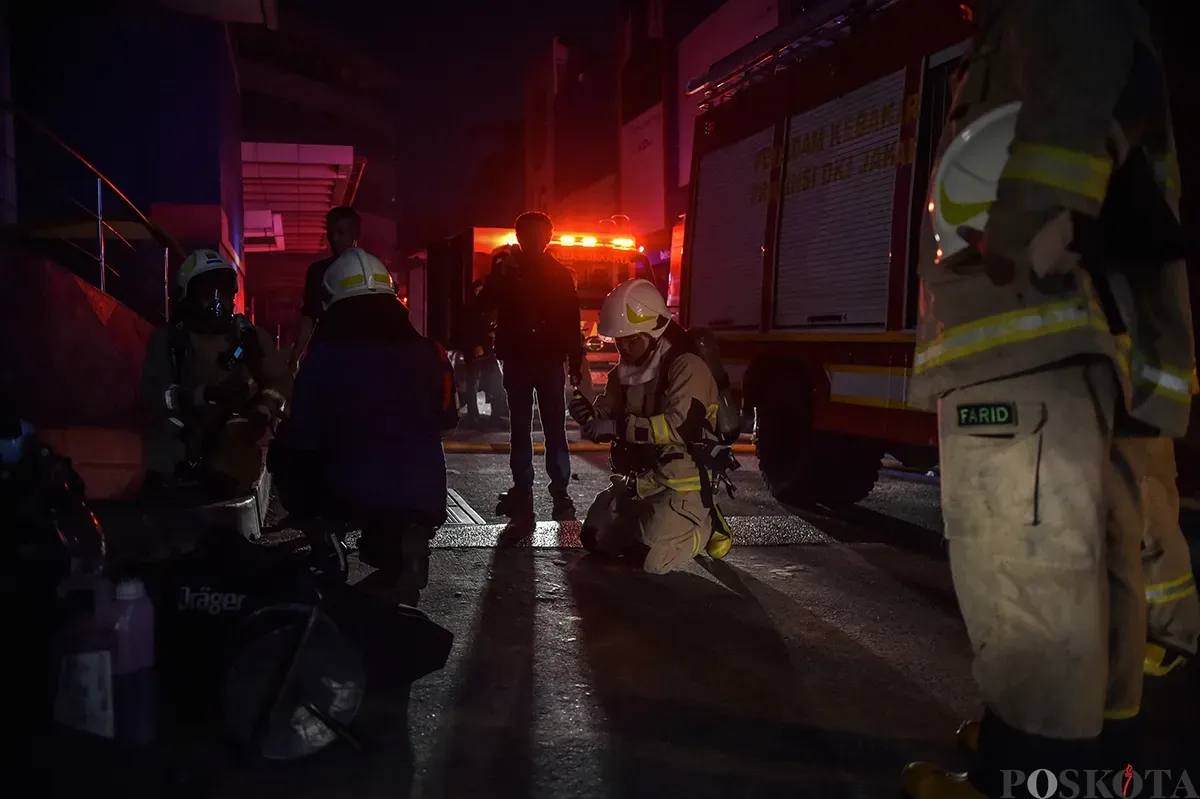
{"x": 537, "y": 332}
{"x": 342, "y": 229}
{"x": 362, "y": 447}
{"x": 478, "y": 348}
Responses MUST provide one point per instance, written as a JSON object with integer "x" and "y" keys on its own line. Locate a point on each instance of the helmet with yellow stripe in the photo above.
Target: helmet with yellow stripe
{"x": 967, "y": 177}
{"x": 633, "y": 307}
{"x": 356, "y": 273}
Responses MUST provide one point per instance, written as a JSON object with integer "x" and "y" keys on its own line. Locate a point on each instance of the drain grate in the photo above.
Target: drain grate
{"x": 458, "y": 511}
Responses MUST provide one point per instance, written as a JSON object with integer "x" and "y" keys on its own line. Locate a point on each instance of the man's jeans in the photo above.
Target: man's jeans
{"x": 521, "y": 380}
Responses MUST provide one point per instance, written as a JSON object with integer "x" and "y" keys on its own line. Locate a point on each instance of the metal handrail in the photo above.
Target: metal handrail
{"x": 170, "y": 246}
{"x": 160, "y": 234}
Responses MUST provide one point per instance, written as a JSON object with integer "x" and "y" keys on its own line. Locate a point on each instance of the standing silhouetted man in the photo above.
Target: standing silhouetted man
{"x": 342, "y": 229}
{"x": 537, "y": 331}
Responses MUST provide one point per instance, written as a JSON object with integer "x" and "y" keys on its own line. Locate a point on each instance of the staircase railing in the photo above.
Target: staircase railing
{"x": 67, "y": 210}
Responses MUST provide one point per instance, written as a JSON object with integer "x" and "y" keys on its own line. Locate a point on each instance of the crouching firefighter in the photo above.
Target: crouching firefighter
{"x": 213, "y": 385}
{"x": 660, "y": 411}
{"x": 362, "y": 446}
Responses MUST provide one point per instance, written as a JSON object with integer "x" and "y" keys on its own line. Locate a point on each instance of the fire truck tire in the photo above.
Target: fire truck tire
{"x": 804, "y": 467}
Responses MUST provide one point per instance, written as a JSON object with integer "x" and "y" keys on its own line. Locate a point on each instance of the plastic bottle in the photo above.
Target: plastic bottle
{"x": 83, "y": 656}
{"x": 133, "y": 664}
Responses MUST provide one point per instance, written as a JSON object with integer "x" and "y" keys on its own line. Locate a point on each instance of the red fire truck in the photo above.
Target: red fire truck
{"x": 808, "y": 189}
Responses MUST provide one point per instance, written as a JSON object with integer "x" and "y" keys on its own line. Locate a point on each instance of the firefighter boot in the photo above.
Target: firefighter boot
{"x": 413, "y": 576}
{"x": 1002, "y": 751}
{"x": 721, "y": 540}
{"x": 927, "y": 781}
{"x": 718, "y": 545}
{"x": 564, "y": 508}
{"x": 516, "y": 503}
{"x": 1119, "y": 739}
{"x": 1162, "y": 660}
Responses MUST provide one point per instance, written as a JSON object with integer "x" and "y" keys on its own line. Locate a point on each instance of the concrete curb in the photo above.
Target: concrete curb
{"x": 503, "y": 447}
{"x": 892, "y": 469}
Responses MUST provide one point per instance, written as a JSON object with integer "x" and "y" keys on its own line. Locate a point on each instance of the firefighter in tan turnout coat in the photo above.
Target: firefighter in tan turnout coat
{"x": 660, "y": 402}
{"x": 1055, "y": 342}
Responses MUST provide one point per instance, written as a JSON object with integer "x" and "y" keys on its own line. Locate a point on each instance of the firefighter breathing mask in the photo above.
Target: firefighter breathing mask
{"x": 211, "y": 297}
{"x": 207, "y": 284}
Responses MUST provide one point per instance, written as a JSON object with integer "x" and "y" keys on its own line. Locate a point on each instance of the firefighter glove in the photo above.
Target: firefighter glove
{"x": 600, "y": 430}
{"x": 580, "y": 409}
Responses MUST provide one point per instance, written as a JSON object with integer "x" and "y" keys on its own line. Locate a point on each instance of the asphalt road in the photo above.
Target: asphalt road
{"x": 815, "y": 661}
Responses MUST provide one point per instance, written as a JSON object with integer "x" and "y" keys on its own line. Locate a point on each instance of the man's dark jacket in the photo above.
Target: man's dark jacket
{"x": 537, "y": 311}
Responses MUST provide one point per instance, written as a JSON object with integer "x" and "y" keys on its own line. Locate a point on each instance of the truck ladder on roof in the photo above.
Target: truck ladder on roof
{"x": 781, "y": 48}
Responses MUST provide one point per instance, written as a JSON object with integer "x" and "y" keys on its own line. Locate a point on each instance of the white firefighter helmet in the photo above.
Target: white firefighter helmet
{"x": 198, "y": 263}
{"x": 967, "y": 176}
{"x": 633, "y": 307}
{"x": 354, "y": 274}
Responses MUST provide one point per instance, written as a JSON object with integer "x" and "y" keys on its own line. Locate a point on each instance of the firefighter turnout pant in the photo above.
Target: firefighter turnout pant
{"x": 669, "y": 527}
{"x": 1172, "y": 603}
{"x": 1044, "y": 522}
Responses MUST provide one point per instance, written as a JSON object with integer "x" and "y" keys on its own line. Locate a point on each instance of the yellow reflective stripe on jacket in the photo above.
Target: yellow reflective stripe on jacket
{"x": 1007, "y": 328}
{"x": 1059, "y": 168}
{"x": 660, "y": 430}
{"x": 679, "y": 483}
{"x": 1173, "y": 384}
{"x": 1121, "y": 713}
{"x": 1172, "y": 591}
{"x": 1166, "y": 172}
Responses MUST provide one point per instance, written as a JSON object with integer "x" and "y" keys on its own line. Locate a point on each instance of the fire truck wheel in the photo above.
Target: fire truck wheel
{"x": 804, "y": 467}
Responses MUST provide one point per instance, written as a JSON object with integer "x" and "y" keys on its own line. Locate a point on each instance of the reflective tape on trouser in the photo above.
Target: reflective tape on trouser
{"x": 1173, "y": 591}
{"x": 1059, "y": 168}
{"x": 1008, "y": 328}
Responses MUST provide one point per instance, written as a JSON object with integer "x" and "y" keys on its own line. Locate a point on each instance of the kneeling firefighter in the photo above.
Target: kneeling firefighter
{"x": 212, "y": 384}
{"x": 362, "y": 446}
{"x": 670, "y": 429}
